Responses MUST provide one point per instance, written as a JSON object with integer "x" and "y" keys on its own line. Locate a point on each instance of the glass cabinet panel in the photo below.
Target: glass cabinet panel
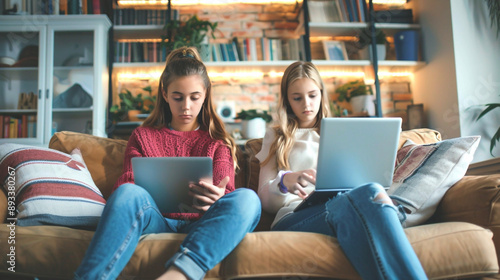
{"x": 19, "y": 84}
{"x": 72, "y": 81}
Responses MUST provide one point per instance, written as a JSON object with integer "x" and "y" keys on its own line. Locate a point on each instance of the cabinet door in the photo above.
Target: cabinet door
{"x": 22, "y": 51}
{"x": 70, "y": 79}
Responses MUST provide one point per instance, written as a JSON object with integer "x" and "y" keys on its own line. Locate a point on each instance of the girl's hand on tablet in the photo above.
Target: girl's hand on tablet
{"x": 206, "y": 194}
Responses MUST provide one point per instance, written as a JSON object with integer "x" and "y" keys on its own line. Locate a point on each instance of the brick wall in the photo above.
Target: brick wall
{"x": 251, "y": 21}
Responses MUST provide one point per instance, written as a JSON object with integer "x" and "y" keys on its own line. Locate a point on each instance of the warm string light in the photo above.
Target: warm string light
{"x": 260, "y": 75}
{"x": 394, "y": 74}
{"x": 201, "y": 2}
{"x": 390, "y": 2}
{"x": 139, "y": 40}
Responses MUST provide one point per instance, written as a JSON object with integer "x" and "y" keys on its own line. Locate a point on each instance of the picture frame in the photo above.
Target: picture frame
{"x": 335, "y": 50}
{"x": 415, "y": 113}
{"x": 13, "y": 7}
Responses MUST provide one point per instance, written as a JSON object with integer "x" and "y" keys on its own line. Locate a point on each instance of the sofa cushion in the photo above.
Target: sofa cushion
{"x": 473, "y": 199}
{"x": 54, "y": 252}
{"x": 424, "y": 173}
{"x": 419, "y": 136}
{"x": 446, "y": 250}
{"x": 104, "y": 156}
{"x": 50, "y": 187}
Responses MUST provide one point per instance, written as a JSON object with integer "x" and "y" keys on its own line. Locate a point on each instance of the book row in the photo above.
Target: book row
{"x": 23, "y": 126}
{"x": 258, "y": 49}
{"x": 139, "y": 52}
{"x": 142, "y": 17}
{"x": 52, "y": 7}
{"x": 338, "y": 11}
{"x": 244, "y": 49}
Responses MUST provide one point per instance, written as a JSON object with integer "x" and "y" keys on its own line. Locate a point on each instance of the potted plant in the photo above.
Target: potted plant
{"x": 191, "y": 33}
{"x": 130, "y": 106}
{"x": 253, "y": 123}
{"x": 496, "y": 137}
{"x": 359, "y": 95}
{"x": 365, "y": 40}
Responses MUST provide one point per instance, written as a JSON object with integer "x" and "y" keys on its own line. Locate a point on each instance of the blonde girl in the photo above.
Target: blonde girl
{"x": 364, "y": 220}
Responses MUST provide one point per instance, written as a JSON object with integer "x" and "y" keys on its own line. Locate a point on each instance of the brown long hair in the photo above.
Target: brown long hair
{"x": 286, "y": 121}
{"x": 183, "y": 62}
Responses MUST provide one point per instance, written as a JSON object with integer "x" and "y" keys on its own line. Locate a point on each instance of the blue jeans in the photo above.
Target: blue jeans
{"x": 131, "y": 212}
{"x": 368, "y": 231}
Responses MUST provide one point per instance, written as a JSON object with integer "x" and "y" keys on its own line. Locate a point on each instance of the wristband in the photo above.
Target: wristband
{"x": 283, "y": 188}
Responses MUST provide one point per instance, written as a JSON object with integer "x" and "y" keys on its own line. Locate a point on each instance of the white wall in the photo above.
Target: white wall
{"x": 463, "y": 70}
{"x": 477, "y": 60}
{"x": 435, "y": 84}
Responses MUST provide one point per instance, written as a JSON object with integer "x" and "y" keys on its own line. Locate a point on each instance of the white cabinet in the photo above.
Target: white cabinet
{"x": 62, "y": 61}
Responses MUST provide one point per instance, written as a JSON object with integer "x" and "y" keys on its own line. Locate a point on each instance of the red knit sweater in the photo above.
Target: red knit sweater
{"x": 150, "y": 142}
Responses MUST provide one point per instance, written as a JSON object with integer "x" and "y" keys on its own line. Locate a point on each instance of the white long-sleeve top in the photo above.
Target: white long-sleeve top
{"x": 303, "y": 155}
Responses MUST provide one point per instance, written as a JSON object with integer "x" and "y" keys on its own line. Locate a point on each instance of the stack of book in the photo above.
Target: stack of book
{"x": 141, "y": 17}
{"x": 22, "y": 126}
{"x": 337, "y": 10}
{"x": 394, "y": 16}
{"x": 52, "y": 7}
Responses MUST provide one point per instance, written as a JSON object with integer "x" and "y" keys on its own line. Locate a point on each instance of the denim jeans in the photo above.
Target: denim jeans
{"x": 131, "y": 212}
{"x": 368, "y": 231}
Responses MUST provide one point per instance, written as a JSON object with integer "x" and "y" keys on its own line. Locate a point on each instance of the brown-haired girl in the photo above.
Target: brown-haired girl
{"x": 182, "y": 124}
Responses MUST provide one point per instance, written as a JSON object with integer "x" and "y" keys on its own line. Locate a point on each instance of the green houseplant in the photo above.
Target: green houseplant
{"x": 496, "y": 137}
{"x": 352, "y": 89}
{"x": 364, "y": 42}
{"x": 128, "y": 102}
{"x": 252, "y": 114}
{"x": 494, "y": 13}
{"x": 191, "y": 33}
{"x": 365, "y": 38}
{"x": 359, "y": 95}
{"x": 253, "y": 123}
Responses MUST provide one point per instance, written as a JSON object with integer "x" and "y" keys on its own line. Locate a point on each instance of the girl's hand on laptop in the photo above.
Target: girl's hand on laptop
{"x": 297, "y": 181}
{"x": 205, "y": 194}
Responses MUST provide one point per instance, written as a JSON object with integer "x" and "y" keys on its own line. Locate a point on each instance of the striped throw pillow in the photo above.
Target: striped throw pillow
{"x": 424, "y": 173}
{"x": 50, "y": 187}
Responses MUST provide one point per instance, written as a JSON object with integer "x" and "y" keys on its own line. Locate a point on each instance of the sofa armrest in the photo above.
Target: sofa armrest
{"x": 473, "y": 199}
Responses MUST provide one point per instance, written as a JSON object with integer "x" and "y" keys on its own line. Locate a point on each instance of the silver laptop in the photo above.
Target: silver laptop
{"x": 353, "y": 152}
{"x": 167, "y": 180}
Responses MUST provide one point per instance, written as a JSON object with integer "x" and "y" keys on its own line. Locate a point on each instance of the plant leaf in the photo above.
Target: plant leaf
{"x": 489, "y": 107}
{"x": 494, "y": 140}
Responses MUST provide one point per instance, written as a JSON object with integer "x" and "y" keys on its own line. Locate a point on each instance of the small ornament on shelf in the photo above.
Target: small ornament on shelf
{"x": 27, "y": 101}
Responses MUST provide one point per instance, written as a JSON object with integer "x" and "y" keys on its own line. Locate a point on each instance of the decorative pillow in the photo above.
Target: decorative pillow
{"x": 51, "y": 187}
{"x": 424, "y": 173}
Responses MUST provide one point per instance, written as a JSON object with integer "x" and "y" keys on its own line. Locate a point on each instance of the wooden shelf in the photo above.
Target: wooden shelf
{"x": 487, "y": 167}
{"x": 137, "y": 32}
{"x": 384, "y": 65}
{"x": 354, "y": 28}
{"x": 341, "y": 65}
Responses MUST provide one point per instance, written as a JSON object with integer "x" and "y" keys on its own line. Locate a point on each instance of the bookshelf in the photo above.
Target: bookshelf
{"x": 132, "y": 32}
{"x": 60, "y": 61}
{"x": 306, "y": 32}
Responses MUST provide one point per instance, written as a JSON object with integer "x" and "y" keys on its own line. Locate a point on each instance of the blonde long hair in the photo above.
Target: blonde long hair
{"x": 186, "y": 61}
{"x": 286, "y": 121}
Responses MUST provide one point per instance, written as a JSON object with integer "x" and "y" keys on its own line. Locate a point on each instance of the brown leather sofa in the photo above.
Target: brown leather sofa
{"x": 458, "y": 242}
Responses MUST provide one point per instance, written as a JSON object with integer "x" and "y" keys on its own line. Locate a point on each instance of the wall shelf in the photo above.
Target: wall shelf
{"x": 137, "y": 32}
{"x": 353, "y": 28}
